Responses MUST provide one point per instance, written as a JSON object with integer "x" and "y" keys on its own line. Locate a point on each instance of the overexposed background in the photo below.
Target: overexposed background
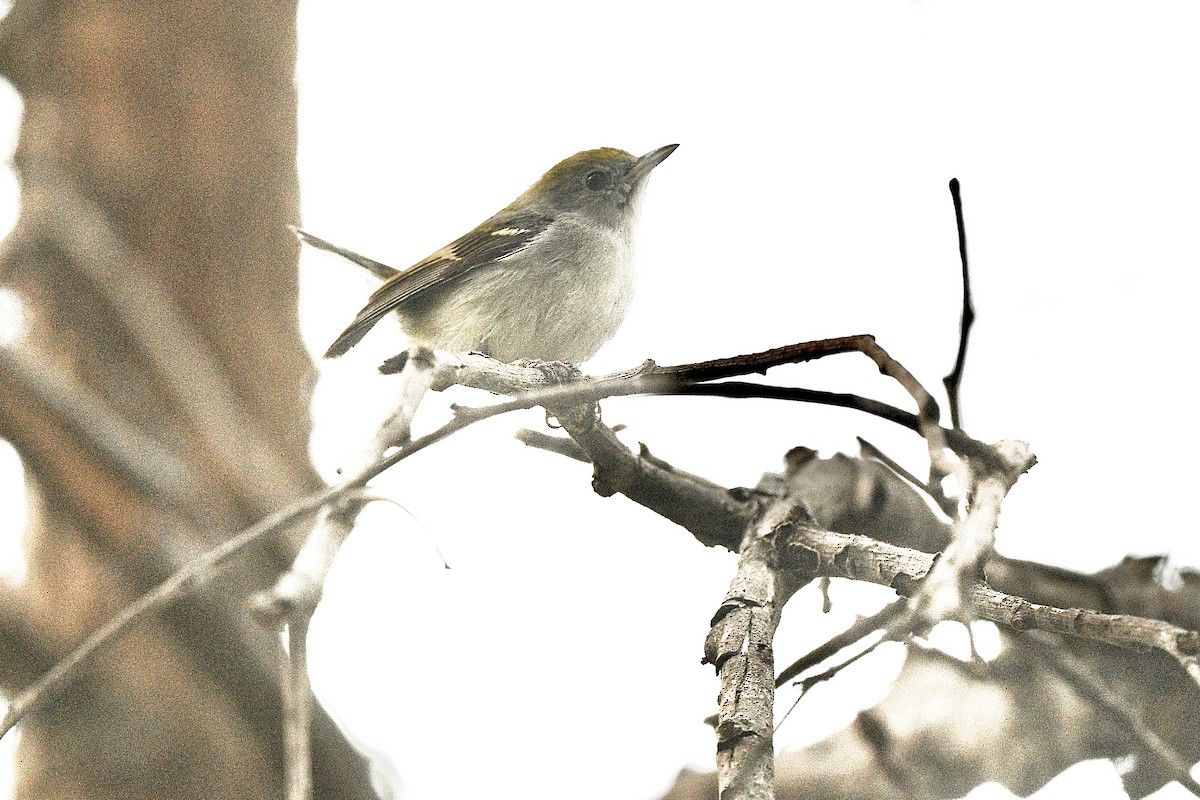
{"x": 808, "y": 199}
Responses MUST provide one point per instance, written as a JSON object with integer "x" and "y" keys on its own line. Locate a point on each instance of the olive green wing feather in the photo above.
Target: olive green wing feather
{"x": 504, "y": 235}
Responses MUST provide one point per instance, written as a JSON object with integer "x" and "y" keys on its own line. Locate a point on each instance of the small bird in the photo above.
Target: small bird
{"x": 549, "y": 278}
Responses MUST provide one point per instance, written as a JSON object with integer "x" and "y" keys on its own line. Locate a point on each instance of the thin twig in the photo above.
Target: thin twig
{"x": 956, "y": 440}
{"x": 860, "y": 629}
{"x": 869, "y": 450}
{"x": 484, "y": 373}
{"x": 665, "y": 384}
{"x": 760, "y": 362}
{"x": 953, "y": 381}
{"x": 193, "y": 574}
{"x": 948, "y": 506}
{"x": 297, "y": 709}
{"x": 822, "y": 677}
{"x": 832, "y": 672}
{"x": 928, "y": 412}
{"x": 197, "y": 572}
{"x": 927, "y": 407}
{"x": 563, "y": 445}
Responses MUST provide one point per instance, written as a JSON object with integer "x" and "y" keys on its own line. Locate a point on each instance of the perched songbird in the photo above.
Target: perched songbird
{"x": 549, "y": 278}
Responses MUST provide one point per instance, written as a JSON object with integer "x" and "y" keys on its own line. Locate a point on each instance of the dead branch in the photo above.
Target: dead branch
{"x": 790, "y": 553}
{"x": 860, "y": 558}
{"x": 953, "y": 381}
{"x": 740, "y": 647}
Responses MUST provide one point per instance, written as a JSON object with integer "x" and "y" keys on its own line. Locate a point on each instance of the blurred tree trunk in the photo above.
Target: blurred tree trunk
{"x": 160, "y": 397}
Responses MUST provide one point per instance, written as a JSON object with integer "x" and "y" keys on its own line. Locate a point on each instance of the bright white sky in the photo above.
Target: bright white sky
{"x": 808, "y": 199}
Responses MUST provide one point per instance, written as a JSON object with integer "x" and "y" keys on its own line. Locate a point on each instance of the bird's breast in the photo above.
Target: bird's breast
{"x": 559, "y": 299}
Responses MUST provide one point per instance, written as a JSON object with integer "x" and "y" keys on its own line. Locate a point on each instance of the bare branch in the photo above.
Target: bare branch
{"x": 740, "y": 648}
{"x": 956, "y": 440}
{"x": 298, "y": 590}
{"x": 531, "y": 386}
{"x": 713, "y": 514}
{"x": 760, "y": 362}
{"x": 942, "y": 595}
{"x": 650, "y": 379}
{"x": 192, "y": 575}
{"x": 562, "y": 445}
{"x": 953, "y": 381}
{"x": 864, "y": 559}
{"x": 203, "y": 569}
{"x": 1117, "y": 629}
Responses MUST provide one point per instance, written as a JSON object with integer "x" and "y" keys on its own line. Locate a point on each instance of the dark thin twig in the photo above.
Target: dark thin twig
{"x": 760, "y": 362}
{"x": 831, "y": 673}
{"x": 861, "y": 628}
{"x": 955, "y": 439}
{"x": 953, "y": 381}
{"x": 871, "y": 451}
{"x": 948, "y": 506}
{"x": 827, "y": 675}
{"x": 927, "y": 408}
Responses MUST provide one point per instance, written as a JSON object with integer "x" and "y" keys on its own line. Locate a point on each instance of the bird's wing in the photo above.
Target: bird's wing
{"x": 505, "y": 234}
{"x": 382, "y": 271}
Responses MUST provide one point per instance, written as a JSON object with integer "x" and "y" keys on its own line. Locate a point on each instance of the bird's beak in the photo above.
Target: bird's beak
{"x": 641, "y": 168}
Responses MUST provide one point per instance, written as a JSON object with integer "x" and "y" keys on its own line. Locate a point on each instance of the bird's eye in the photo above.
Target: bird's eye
{"x": 598, "y": 180}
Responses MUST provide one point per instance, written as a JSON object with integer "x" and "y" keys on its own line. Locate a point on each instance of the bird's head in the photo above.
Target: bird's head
{"x": 603, "y": 184}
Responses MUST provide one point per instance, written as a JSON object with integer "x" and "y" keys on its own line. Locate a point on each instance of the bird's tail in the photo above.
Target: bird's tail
{"x": 376, "y": 268}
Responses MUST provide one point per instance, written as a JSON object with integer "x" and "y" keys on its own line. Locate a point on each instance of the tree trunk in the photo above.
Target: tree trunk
{"x": 159, "y": 399}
